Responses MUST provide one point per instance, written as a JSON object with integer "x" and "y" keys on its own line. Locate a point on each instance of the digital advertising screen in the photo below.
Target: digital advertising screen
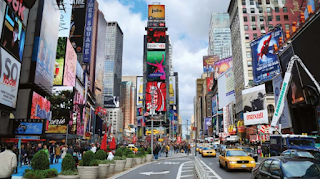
{"x": 70, "y": 67}
{"x": 156, "y": 12}
{"x": 156, "y": 63}
{"x": 77, "y": 25}
{"x": 157, "y": 101}
{"x": 40, "y": 107}
{"x": 59, "y": 63}
{"x": 28, "y": 126}
{"x": 208, "y": 62}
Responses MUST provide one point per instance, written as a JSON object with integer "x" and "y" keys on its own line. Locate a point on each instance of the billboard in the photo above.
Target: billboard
{"x": 285, "y": 118}
{"x": 209, "y": 83}
{"x": 265, "y": 63}
{"x": 111, "y": 101}
{"x": 221, "y": 66}
{"x": 156, "y": 24}
{"x": 156, "y": 38}
{"x": 13, "y": 34}
{"x": 88, "y": 32}
{"x": 28, "y": 126}
{"x": 255, "y": 105}
{"x": 226, "y": 88}
{"x": 59, "y": 121}
{"x": 207, "y": 123}
{"x": 158, "y": 100}
{"x": 65, "y": 19}
{"x": 69, "y": 76}
{"x": 172, "y": 90}
{"x": 9, "y": 79}
{"x": 156, "y": 12}
{"x": 40, "y": 107}
{"x": 78, "y": 108}
{"x": 214, "y": 105}
{"x": 79, "y": 72}
{"x": 208, "y": 62}
{"x": 77, "y": 25}
{"x": 45, "y": 44}
{"x": 156, "y": 64}
{"x": 59, "y": 63}
{"x": 140, "y": 96}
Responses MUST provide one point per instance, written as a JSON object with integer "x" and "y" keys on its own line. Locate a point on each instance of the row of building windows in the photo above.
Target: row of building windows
{"x": 270, "y": 18}
{"x": 269, "y": 10}
{"x": 275, "y": 2}
{"x": 262, "y": 27}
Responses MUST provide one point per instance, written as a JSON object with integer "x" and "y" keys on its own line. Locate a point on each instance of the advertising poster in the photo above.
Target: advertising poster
{"x": 158, "y": 101}
{"x": 221, "y": 66}
{"x": 208, "y": 62}
{"x": 79, "y": 72}
{"x": 156, "y": 130}
{"x": 59, "y": 121}
{"x": 214, "y": 105}
{"x": 156, "y": 38}
{"x": 139, "y": 111}
{"x": 88, "y": 31}
{"x": 156, "y": 24}
{"x": 285, "y": 118}
{"x": 156, "y": 12}
{"x": 209, "y": 83}
{"x": 140, "y": 92}
{"x": 207, "y": 123}
{"x": 255, "y": 105}
{"x": 87, "y": 121}
{"x": 172, "y": 90}
{"x": 45, "y": 45}
{"x": 40, "y": 107}
{"x": 78, "y": 107}
{"x": 226, "y": 88}
{"x": 65, "y": 19}
{"x": 9, "y": 79}
{"x": 265, "y": 63}
{"x": 28, "y": 126}
{"x": 77, "y": 25}
{"x": 111, "y": 101}
{"x": 13, "y": 34}
{"x": 156, "y": 64}
{"x": 69, "y": 77}
{"x": 60, "y": 59}
{"x": 226, "y": 119}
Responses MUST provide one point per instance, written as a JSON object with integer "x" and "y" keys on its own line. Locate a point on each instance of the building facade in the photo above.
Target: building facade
{"x": 133, "y": 106}
{"x": 115, "y": 118}
{"x": 126, "y": 103}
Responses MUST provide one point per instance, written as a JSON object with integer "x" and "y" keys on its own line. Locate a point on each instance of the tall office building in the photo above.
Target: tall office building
{"x": 170, "y": 59}
{"x": 250, "y": 19}
{"x": 115, "y": 117}
{"x": 126, "y": 102}
{"x": 113, "y": 62}
{"x": 133, "y": 106}
{"x": 220, "y": 35}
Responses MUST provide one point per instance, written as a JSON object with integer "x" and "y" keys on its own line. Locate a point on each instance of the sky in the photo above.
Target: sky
{"x": 188, "y": 27}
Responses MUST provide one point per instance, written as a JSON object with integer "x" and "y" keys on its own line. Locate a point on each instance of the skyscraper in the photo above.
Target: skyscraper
{"x": 126, "y": 97}
{"x": 219, "y": 35}
{"x": 113, "y": 62}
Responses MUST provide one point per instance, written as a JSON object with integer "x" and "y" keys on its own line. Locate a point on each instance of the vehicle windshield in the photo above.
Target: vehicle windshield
{"x": 301, "y": 142}
{"x": 232, "y": 153}
{"x": 301, "y": 169}
{"x": 208, "y": 148}
{"x": 249, "y": 150}
{"x": 305, "y": 154}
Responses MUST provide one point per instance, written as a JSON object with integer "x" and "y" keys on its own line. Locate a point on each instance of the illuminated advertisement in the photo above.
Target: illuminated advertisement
{"x": 221, "y": 66}
{"x": 172, "y": 90}
{"x": 156, "y": 24}
{"x": 156, "y": 12}
{"x": 156, "y": 130}
{"x": 209, "y": 83}
{"x": 69, "y": 77}
{"x": 45, "y": 44}
{"x": 9, "y": 79}
{"x": 59, "y": 121}
{"x": 139, "y": 111}
{"x": 208, "y": 62}
{"x": 78, "y": 107}
{"x": 59, "y": 64}
{"x": 40, "y": 107}
{"x": 214, "y": 105}
{"x": 226, "y": 88}
{"x": 65, "y": 19}
{"x": 158, "y": 100}
{"x": 265, "y": 63}
{"x": 13, "y": 34}
{"x": 207, "y": 123}
{"x": 255, "y": 105}
{"x": 88, "y": 32}
{"x": 156, "y": 38}
{"x": 111, "y": 101}
{"x": 140, "y": 92}
{"x": 77, "y": 25}
{"x": 156, "y": 64}
{"x": 28, "y": 126}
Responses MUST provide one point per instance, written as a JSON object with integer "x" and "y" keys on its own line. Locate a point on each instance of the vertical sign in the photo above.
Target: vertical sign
{"x": 140, "y": 92}
{"x": 65, "y": 19}
{"x": 88, "y": 32}
{"x": 172, "y": 90}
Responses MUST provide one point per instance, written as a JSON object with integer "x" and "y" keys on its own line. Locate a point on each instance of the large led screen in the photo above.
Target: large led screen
{"x": 156, "y": 63}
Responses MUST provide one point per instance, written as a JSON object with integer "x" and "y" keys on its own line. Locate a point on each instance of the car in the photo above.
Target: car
{"x": 236, "y": 159}
{"x": 287, "y": 167}
{"x": 301, "y": 153}
{"x": 208, "y": 152}
{"x": 131, "y": 147}
{"x": 250, "y": 152}
{"x": 200, "y": 150}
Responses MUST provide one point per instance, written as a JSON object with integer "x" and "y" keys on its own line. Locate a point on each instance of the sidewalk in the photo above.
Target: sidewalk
{"x": 176, "y": 155}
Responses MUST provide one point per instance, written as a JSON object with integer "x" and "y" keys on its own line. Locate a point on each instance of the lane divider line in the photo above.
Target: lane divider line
{"x": 213, "y": 172}
{"x": 180, "y": 170}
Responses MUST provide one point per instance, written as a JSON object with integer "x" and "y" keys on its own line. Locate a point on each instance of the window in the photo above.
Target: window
{"x": 245, "y": 19}
{"x": 246, "y": 27}
{"x": 253, "y": 18}
{"x": 285, "y": 9}
{"x": 284, "y": 1}
{"x": 243, "y": 2}
{"x": 267, "y": 1}
{"x": 275, "y": 168}
{"x": 260, "y": 10}
{"x": 286, "y": 153}
{"x": 268, "y": 10}
{"x": 247, "y": 36}
{"x": 252, "y": 10}
{"x": 287, "y": 26}
{"x": 254, "y": 27}
{"x": 255, "y": 35}
{"x": 275, "y": 2}
{"x": 249, "y": 63}
{"x": 278, "y": 18}
{"x": 248, "y": 55}
{"x": 286, "y": 17}
{"x": 244, "y": 10}
{"x": 270, "y": 26}
{"x": 276, "y": 9}
{"x": 270, "y": 108}
{"x": 261, "y": 18}
{"x": 262, "y": 27}
{"x": 259, "y": 2}
{"x": 265, "y": 166}
{"x": 269, "y": 18}
{"x": 247, "y": 44}
{"x": 251, "y": 2}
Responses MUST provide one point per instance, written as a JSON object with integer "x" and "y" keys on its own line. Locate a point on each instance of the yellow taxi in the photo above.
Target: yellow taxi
{"x": 197, "y": 148}
{"x": 131, "y": 147}
{"x": 200, "y": 150}
{"x": 236, "y": 159}
{"x": 208, "y": 152}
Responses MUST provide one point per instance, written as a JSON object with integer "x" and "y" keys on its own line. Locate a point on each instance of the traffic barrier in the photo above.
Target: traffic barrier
{"x": 200, "y": 171}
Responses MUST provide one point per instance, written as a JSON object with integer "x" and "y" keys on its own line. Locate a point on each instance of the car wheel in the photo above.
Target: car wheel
{"x": 227, "y": 168}
{"x": 220, "y": 165}
{"x": 202, "y": 155}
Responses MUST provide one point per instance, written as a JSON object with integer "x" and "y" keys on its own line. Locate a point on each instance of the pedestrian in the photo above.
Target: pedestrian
{"x": 46, "y": 150}
{"x": 39, "y": 147}
{"x": 8, "y": 162}
{"x": 51, "y": 153}
{"x": 31, "y": 151}
{"x": 70, "y": 150}
{"x": 93, "y": 148}
{"x": 57, "y": 153}
{"x": 156, "y": 151}
{"x": 16, "y": 151}
{"x": 171, "y": 150}
{"x": 166, "y": 150}
{"x": 23, "y": 155}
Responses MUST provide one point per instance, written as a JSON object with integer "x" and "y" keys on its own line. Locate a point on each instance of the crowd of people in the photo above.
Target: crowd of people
{"x": 170, "y": 148}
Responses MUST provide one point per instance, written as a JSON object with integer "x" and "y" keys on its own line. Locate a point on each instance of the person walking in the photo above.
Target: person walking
{"x": 8, "y": 162}
{"x": 70, "y": 150}
{"x": 46, "y": 150}
{"x": 57, "y": 153}
{"x": 52, "y": 152}
{"x": 64, "y": 151}
{"x": 171, "y": 150}
{"x": 30, "y": 154}
{"x": 166, "y": 150}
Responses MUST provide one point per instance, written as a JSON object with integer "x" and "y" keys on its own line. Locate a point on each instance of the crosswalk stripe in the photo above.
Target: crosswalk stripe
{"x": 186, "y": 170}
{"x": 186, "y": 176}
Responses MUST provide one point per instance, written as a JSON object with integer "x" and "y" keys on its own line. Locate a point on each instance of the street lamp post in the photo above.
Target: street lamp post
{"x": 152, "y": 110}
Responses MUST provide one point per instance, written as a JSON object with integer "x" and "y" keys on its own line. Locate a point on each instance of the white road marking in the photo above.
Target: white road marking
{"x": 187, "y": 171}
{"x": 186, "y": 176}
{"x": 181, "y": 170}
{"x": 154, "y": 173}
{"x": 213, "y": 172}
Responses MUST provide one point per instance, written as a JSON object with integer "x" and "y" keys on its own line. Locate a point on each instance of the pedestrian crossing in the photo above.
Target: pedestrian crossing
{"x": 186, "y": 171}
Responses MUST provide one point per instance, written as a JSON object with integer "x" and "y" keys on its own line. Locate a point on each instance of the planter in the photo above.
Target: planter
{"x": 88, "y": 172}
{"x": 129, "y": 163}
{"x": 144, "y": 159}
{"x": 111, "y": 169}
{"x": 103, "y": 170}
{"x": 120, "y": 164}
{"x": 149, "y": 157}
{"x": 68, "y": 176}
{"x": 138, "y": 160}
{"x": 44, "y": 178}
